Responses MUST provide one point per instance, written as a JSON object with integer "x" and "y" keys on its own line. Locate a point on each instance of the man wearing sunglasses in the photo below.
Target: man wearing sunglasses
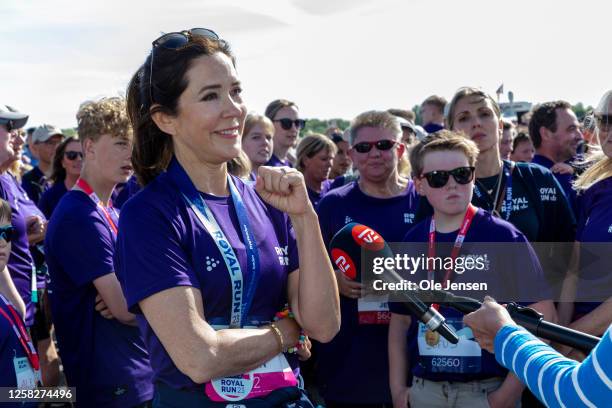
{"x": 284, "y": 115}
{"x": 354, "y": 366}
{"x": 45, "y": 140}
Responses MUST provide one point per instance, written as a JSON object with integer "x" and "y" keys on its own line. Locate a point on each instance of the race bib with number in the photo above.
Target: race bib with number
{"x": 272, "y": 375}
{"x": 437, "y": 355}
{"x": 373, "y": 310}
{"x": 27, "y": 378}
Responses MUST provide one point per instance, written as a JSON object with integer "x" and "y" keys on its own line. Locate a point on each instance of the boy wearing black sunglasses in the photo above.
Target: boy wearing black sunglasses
{"x": 459, "y": 235}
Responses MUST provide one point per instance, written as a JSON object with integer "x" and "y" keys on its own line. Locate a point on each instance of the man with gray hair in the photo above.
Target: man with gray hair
{"x": 43, "y": 144}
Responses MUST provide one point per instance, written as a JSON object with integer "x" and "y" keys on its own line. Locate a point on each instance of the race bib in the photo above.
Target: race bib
{"x": 373, "y": 310}
{"x": 270, "y": 376}
{"x": 437, "y": 355}
{"x": 27, "y": 378}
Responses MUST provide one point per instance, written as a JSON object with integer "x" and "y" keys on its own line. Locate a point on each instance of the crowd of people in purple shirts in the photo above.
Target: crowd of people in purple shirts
{"x": 176, "y": 252}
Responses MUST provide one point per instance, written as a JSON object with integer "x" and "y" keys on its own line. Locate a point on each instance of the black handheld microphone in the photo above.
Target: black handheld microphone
{"x": 346, "y": 251}
{"x": 529, "y": 318}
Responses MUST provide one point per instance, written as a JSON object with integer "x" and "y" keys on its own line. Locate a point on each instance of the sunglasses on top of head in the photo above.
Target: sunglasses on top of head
{"x": 7, "y": 232}
{"x": 382, "y": 145}
{"x": 288, "y": 123}
{"x": 439, "y": 178}
{"x": 176, "y": 41}
{"x": 72, "y": 155}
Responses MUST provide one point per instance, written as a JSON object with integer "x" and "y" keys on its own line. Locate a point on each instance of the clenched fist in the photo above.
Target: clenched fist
{"x": 284, "y": 189}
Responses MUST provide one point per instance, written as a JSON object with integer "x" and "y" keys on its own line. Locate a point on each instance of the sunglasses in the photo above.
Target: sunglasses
{"x": 176, "y": 41}
{"x": 7, "y": 232}
{"x": 8, "y": 124}
{"x": 72, "y": 155}
{"x": 288, "y": 123}
{"x": 439, "y": 178}
{"x": 382, "y": 145}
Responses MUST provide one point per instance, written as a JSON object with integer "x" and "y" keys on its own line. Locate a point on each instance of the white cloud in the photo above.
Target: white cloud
{"x": 334, "y": 58}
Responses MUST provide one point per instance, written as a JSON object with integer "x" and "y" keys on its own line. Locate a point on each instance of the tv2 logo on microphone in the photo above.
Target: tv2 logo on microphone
{"x": 344, "y": 262}
{"x": 367, "y": 238}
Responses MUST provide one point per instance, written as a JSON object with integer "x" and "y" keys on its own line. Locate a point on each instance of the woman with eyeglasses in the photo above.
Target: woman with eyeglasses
{"x": 284, "y": 115}
{"x": 208, "y": 262}
{"x": 458, "y": 375}
{"x": 353, "y": 369}
{"x": 315, "y": 154}
{"x": 591, "y": 285}
{"x": 66, "y": 170}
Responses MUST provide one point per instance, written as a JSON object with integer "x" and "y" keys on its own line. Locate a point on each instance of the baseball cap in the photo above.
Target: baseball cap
{"x": 44, "y": 133}
{"x": 10, "y": 114}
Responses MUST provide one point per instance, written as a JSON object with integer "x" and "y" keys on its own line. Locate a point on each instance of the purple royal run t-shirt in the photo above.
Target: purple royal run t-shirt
{"x": 162, "y": 245}
{"x": 106, "y": 360}
{"x": 353, "y": 367}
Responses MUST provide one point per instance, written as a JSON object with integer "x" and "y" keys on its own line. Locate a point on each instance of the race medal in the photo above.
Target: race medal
{"x": 432, "y": 338}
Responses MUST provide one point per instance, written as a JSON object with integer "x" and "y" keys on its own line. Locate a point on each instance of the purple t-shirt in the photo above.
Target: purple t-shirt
{"x": 106, "y": 360}
{"x": 595, "y": 233}
{"x": 29, "y": 209}
{"x": 506, "y": 270}
{"x": 315, "y": 197}
{"x": 162, "y": 244}
{"x": 127, "y": 191}
{"x": 354, "y": 367}
{"x": 20, "y": 260}
{"x": 51, "y": 197}
{"x": 276, "y": 162}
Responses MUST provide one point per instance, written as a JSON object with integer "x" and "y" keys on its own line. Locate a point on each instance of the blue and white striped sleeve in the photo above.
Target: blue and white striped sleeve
{"x": 556, "y": 380}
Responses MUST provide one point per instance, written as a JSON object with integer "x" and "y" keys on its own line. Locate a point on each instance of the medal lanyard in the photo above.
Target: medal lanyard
{"x": 21, "y": 333}
{"x": 507, "y": 206}
{"x": 83, "y": 185}
{"x": 242, "y": 298}
{"x": 465, "y": 226}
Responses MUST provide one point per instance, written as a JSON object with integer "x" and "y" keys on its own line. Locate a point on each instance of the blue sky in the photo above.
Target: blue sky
{"x": 334, "y": 58}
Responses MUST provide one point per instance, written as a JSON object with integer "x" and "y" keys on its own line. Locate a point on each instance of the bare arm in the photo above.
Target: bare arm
{"x": 313, "y": 290}
{"x": 177, "y": 318}
{"x": 109, "y": 289}
{"x": 398, "y": 359}
{"x": 8, "y": 289}
{"x": 597, "y": 321}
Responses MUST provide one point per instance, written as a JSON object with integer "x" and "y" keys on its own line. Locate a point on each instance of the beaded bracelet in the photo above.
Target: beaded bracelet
{"x": 287, "y": 313}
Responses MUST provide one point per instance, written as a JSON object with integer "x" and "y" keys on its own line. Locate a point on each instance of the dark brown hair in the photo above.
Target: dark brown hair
{"x": 58, "y": 173}
{"x": 153, "y": 148}
{"x": 277, "y": 105}
{"x": 545, "y": 115}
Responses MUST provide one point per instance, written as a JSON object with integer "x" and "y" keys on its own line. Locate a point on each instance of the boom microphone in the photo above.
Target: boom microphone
{"x": 346, "y": 251}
